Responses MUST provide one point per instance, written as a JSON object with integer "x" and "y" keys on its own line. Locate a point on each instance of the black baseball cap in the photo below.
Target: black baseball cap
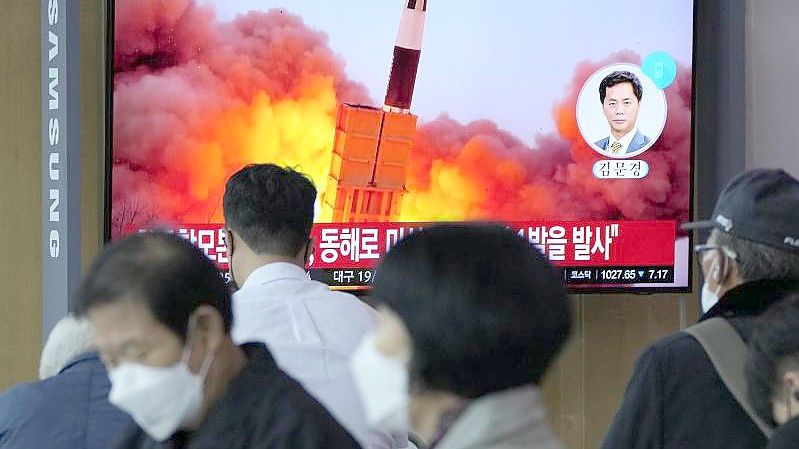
{"x": 759, "y": 205}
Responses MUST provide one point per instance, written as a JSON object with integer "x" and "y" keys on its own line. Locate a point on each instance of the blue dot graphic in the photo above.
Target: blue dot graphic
{"x": 661, "y": 68}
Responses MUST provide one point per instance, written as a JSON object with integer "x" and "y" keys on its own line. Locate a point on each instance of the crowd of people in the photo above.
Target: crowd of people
{"x": 448, "y": 353}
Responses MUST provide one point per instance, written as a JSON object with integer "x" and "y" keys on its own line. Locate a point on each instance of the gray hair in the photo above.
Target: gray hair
{"x": 71, "y": 337}
{"x": 757, "y": 261}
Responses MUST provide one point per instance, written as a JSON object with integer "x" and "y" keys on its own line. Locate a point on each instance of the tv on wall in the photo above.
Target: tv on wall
{"x": 567, "y": 121}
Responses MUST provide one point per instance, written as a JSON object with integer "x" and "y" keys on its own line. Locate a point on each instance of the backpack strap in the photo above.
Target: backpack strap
{"x": 727, "y": 351}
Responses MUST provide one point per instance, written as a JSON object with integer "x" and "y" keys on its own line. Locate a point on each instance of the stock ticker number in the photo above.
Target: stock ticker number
{"x": 618, "y": 275}
{"x": 659, "y": 275}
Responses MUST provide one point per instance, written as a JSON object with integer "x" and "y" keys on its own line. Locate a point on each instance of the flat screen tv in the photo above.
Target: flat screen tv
{"x": 569, "y": 121}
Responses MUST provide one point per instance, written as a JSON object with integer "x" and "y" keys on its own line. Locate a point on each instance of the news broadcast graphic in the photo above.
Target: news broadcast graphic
{"x": 405, "y": 116}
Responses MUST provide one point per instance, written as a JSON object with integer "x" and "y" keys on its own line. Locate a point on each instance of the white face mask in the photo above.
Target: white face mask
{"x": 383, "y": 384}
{"x": 709, "y": 297}
{"x": 160, "y": 400}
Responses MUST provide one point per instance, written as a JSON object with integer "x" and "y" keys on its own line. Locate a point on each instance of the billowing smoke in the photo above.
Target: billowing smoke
{"x": 196, "y": 98}
{"x": 479, "y": 171}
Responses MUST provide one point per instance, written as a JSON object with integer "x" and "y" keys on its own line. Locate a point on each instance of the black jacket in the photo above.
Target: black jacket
{"x": 786, "y": 436}
{"x": 263, "y": 408}
{"x": 676, "y": 399}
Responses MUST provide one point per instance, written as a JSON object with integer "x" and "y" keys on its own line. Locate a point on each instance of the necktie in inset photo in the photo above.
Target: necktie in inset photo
{"x": 615, "y": 148}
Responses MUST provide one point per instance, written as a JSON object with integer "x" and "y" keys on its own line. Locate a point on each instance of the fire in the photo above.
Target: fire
{"x": 294, "y": 132}
{"x": 476, "y": 179}
{"x": 196, "y": 99}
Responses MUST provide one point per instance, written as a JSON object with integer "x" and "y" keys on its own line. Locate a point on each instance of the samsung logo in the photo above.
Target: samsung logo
{"x": 53, "y": 132}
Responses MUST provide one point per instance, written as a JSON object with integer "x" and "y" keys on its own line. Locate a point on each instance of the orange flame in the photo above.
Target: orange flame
{"x": 186, "y": 118}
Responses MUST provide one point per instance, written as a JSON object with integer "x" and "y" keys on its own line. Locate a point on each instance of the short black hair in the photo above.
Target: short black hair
{"x": 165, "y": 271}
{"x": 271, "y": 208}
{"x": 618, "y": 77}
{"x": 485, "y": 310}
{"x": 773, "y": 350}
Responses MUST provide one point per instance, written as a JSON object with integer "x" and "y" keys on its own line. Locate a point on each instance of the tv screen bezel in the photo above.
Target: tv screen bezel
{"x": 590, "y": 290}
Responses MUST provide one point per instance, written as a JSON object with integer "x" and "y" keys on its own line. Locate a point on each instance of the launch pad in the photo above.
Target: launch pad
{"x": 367, "y": 172}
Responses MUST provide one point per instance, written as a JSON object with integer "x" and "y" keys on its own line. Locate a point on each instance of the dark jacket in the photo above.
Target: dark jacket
{"x": 676, "y": 399}
{"x": 262, "y": 408}
{"x": 786, "y": 436}
{"x": 69, "y": 411}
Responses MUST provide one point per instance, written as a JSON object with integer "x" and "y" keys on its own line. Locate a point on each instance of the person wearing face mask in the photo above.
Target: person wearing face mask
{"x": 311, "y": 330}
{"x": 469, "y": 319}
{"x": 773, "y": 371}
{"x": 677, "y": 396}
{"x": 161, "y": 312}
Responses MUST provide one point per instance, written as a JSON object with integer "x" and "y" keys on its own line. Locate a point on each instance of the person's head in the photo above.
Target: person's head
{"x": 772, "y": 370}
{"x": 162, "y": 315}
{"x": 730, "y": 261}
{"x": 269, "y": 212}
{"x": 620, "y": 94}
{"x": 71, "y": 337}
{"x": 753, "y": 231}
{"x": 470, "y": 310}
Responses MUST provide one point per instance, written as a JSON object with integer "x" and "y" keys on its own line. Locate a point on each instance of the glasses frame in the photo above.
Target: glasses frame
{"x": 699, "y": 249}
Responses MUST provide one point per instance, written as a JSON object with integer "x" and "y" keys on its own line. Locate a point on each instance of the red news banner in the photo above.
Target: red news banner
{"x": 565, "y": 243}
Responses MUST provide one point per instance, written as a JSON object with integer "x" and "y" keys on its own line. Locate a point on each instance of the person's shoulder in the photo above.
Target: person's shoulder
{"x": 639, "y": 141}
{"x": 673, "y": 340}
{"x": 20, "y": 391}
{"x": 673, "y": 348}
{"x": 290, "y": 406}
{"x": 602, "y": 143}
{"x": 345, "y": 303}
{"x": 785, "y": 436}
{"x": 18, "y": 403}
{"x": 351, "y": 301}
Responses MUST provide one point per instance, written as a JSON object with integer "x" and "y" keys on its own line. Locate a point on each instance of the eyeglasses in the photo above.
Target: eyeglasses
{"x": 699, "y": 249}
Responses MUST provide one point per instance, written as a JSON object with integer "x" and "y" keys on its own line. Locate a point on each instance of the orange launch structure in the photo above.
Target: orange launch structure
{"x": 367, "y": 173}
{"x": 372, "y": 146}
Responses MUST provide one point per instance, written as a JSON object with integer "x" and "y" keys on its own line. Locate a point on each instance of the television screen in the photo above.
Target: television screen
{"x": 569, "y": 121}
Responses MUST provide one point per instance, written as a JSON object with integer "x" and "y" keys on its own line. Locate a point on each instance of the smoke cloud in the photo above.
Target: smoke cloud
{"x": 196, "y": 98}
{"x": 478, "y": 171}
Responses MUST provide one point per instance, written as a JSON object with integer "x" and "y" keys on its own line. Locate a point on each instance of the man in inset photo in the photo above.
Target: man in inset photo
{"x": 620, "y": 94}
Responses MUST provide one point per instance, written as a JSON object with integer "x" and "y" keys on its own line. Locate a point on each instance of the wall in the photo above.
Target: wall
{"x": 772, "y": 97}
{"x": 92, "y": 126}
{"x": 20, "y": 186}
{"x": 20, "y": 190}
{"x": 584, "y": 388}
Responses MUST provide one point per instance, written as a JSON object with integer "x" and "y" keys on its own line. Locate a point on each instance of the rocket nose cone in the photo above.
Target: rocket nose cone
{"x": 419, "y": 5}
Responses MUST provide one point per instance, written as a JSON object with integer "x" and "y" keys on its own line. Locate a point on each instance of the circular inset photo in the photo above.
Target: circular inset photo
{"x": 620, "y": 111}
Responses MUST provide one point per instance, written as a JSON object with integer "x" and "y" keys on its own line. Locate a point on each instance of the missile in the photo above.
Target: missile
{"x": 407, "y": 49}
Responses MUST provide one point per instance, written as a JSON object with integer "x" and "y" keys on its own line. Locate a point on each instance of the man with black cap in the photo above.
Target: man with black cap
{"x": 685, "y": 392}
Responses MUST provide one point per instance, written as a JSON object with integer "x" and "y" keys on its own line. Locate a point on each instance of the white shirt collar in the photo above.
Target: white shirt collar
{"x": 624, "y": 141}
{"x": 274, "y": 272}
